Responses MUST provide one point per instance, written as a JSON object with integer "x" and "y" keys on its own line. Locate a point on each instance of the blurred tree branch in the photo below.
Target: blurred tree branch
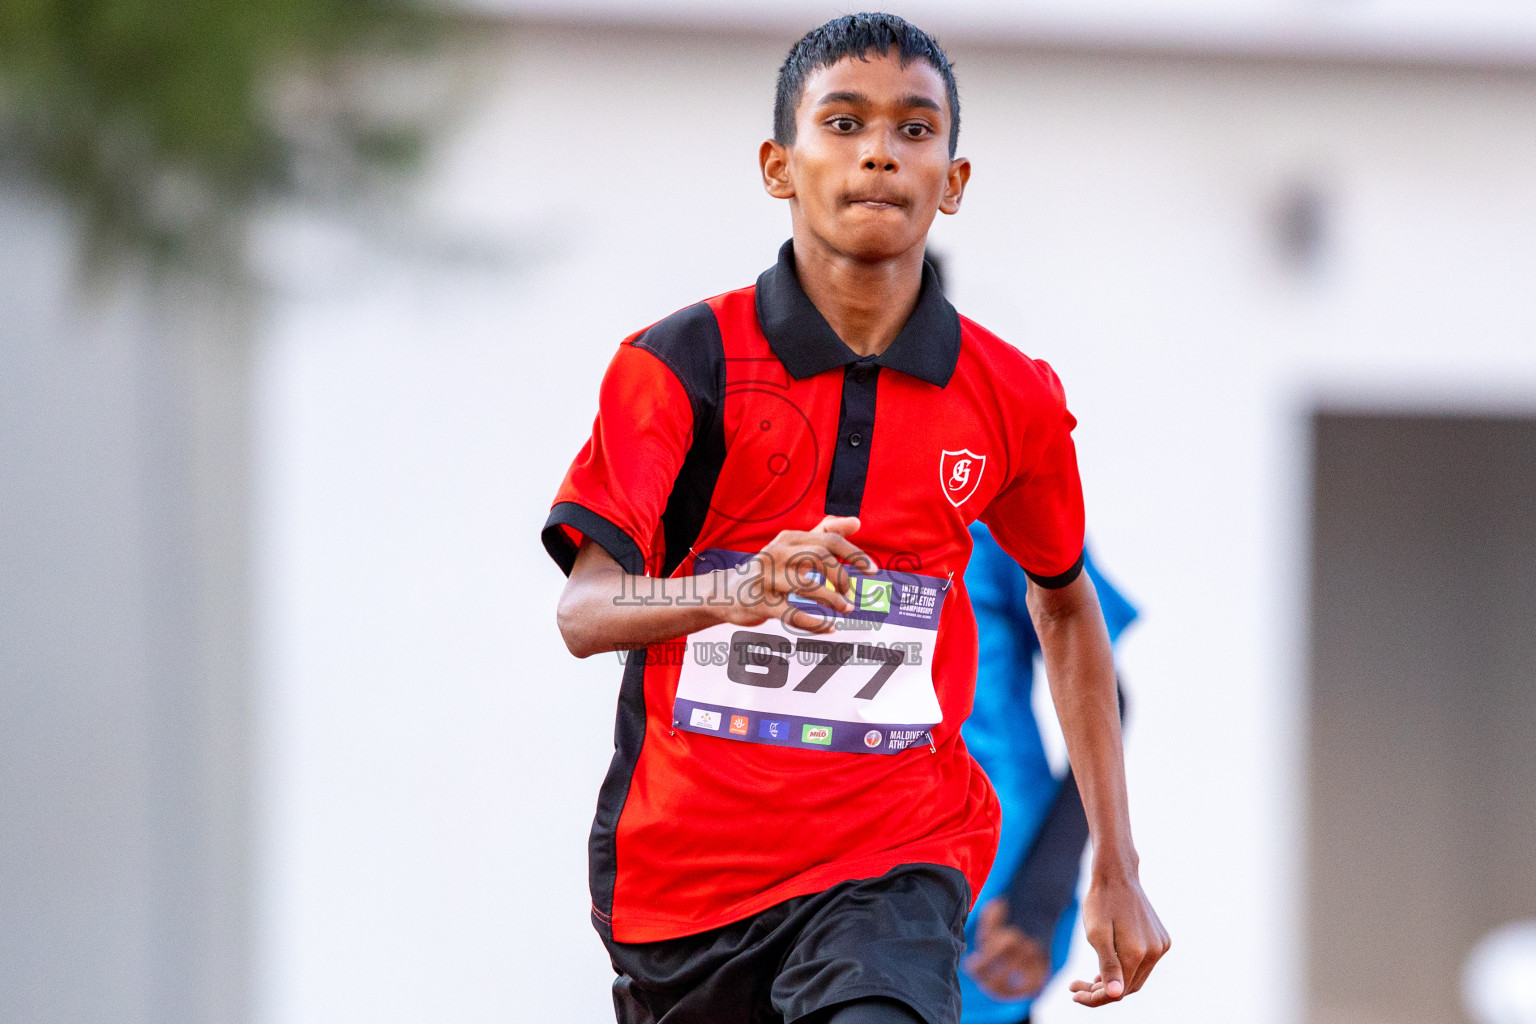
{"x": 163, "y": 121}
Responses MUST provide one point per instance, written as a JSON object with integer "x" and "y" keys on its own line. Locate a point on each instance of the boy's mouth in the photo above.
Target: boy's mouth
{"x": 877, "y": 201}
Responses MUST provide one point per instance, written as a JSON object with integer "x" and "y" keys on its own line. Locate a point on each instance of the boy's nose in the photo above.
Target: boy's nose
{"x": 878, "y": 157}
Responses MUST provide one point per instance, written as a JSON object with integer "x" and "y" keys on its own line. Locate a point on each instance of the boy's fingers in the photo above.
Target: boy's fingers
{"x": 809, "y": 622}
{"x": 1147, "y": 963}
{"x": 833, "y": 531}
{"x": 1135, "y": 976}
{"x": 826, "y": 597}
{"x": 837, "y": 576}
{"x": 1109, "y": 971}
{"x": 1131, "y": 960}
{"x": 847, "y": 551}
{"x": 1110, "y": 984}
{"x": 802, "y": 568}
{"x": 1091, "y": 994}
{"x": 830, "y": 534}
{"x": 825, "y": 594}
{"x": 838, "y": 524}
{"x": 809, "y": 573}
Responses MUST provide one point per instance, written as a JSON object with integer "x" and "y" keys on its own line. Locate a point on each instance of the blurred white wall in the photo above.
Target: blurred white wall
{"x": 124, "y": 773}
{"x": 1478, "y": 29}
{"x": 431, "y": 754}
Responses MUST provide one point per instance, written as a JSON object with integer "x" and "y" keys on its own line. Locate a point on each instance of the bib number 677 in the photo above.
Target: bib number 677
{"x": 762, "y": 659}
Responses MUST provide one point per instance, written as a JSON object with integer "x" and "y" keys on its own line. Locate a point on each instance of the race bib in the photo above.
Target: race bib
{"x": 865, "y": 688}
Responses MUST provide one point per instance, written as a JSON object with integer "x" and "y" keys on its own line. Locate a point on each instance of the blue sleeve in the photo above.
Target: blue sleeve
{"x": 994, "y": 580}
{"x": 1047, "y": 880}
{"x": 1118, "y": 612}
{"x": 1045, "y": 884}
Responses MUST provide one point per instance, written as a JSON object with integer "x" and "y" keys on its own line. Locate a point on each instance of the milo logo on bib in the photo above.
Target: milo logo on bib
{"x": 865, "y": 688}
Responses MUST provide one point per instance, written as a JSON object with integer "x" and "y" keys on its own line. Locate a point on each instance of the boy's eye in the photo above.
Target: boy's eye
{"x": 915, "y": 130}
{"x": 843, "y": 124}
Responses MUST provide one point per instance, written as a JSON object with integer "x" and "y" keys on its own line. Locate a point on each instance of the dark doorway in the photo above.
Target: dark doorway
{"x": 1422, "y": 746}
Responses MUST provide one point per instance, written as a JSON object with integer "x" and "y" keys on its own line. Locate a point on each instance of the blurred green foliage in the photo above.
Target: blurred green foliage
{"x": 156, "y": 119}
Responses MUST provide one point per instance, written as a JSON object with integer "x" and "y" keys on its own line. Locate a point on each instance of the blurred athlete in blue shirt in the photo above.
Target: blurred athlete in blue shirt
{"x": 1019, "y": 936}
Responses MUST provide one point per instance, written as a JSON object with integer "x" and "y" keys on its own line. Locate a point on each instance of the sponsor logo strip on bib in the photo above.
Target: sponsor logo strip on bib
{"x": 790, "y": 731}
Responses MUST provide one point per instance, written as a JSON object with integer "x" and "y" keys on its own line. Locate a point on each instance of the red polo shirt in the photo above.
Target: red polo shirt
{"x": 745, "y": 415}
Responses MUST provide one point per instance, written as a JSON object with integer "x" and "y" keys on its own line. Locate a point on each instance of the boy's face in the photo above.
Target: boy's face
{"x": 870, "y": 163}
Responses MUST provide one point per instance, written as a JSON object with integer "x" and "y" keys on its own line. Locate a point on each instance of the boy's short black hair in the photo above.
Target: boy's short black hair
{"x": 854, "y": 35}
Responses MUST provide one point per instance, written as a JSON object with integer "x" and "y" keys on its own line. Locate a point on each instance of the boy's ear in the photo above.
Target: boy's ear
{"x": 954, "y": 185}
{"x": 774, "y": 161}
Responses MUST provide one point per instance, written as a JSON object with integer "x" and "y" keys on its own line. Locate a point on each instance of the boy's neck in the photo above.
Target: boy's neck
{"x": 865, "y": 303}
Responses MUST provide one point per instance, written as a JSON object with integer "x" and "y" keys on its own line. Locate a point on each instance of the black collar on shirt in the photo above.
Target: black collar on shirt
{"x": 926, "y": 348}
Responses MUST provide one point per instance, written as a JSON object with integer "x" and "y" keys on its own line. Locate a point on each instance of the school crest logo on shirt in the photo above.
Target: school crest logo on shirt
{"x": 960, "y": 473}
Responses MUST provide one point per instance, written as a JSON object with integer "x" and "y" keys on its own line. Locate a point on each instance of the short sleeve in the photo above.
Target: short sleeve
{"x": 1038, "y": 515}
{"x": 618, "y": 486}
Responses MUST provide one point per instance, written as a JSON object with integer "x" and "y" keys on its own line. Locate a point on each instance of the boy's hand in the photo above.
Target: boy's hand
{"x": 806, "y": 563}
{"x": 1124, "y": 929}
{"x": 1007, "y": 964}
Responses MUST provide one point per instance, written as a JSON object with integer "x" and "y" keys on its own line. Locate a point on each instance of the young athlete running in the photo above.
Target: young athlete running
{"x": 1021, "y": 933}
{"x": 791, "y": 827}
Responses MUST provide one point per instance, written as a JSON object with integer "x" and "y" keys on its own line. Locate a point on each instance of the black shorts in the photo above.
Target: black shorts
{"x": 899, "y": 936}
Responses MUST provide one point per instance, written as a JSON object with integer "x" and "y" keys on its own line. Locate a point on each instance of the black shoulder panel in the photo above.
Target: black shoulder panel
{"x": 689, "y": 343}
{"x": 602, "y": 847}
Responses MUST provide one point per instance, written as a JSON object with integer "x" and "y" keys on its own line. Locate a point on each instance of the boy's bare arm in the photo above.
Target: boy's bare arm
{"x": 1120, "y": 921}
{"x": 605, "y": 609}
